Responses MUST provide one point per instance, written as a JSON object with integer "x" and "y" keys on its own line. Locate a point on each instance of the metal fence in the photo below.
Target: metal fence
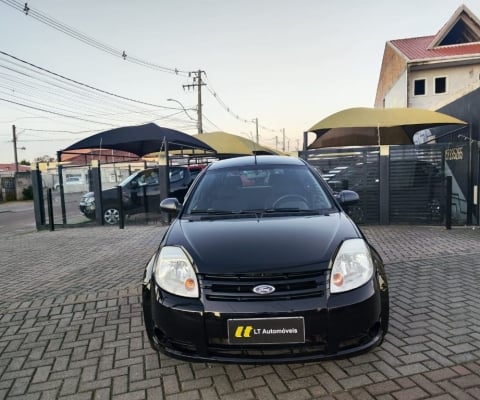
{"x": 396, "y": 184}
{"x": 416, "y": 184}
{"x": 67, "y": 185}
{"x": 353, "y": 169}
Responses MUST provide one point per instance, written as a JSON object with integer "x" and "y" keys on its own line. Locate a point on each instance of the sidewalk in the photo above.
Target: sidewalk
{"x": 13, "y": 206}
{"x": 71, "y": 324}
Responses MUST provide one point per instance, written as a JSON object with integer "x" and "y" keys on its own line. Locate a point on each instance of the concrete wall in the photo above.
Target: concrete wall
{"x": 397, "y": 96}
{"x": 393, "y": 67}
{"x": 11, "y": 187}
{"x": 458, "y": 78}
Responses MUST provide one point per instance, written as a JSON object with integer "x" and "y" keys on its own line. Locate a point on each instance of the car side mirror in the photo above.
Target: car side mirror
{"x": 171, "y": 205}
{"x": 347, "y": 197}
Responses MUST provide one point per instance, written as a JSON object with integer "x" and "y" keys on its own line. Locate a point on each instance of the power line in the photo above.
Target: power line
{"x": 211, "y": 123}
{"x": 82, "y": 97}
{"x": 54, "y": 112}
{"x": 230, "y": 111}
{"x": 59, "y": 131}
{"x": 55, "y": 24}
{"x": 80, "y": 83}
{"x": 59, "y": 26}
{"x": 77, "y": 89}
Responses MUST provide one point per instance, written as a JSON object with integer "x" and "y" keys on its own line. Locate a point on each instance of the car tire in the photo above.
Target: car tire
{"x": 111, "y": 215}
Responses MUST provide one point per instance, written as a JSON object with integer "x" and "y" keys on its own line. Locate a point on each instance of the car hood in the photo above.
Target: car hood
{"x": 107, "y": 193}
{"x": 268, "y": 244}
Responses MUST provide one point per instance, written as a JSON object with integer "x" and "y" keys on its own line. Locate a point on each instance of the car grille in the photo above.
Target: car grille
{"x": 239, "y": 287}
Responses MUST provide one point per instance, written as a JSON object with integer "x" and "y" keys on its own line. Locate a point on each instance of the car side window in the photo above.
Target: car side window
{"x": 145, "y": 178}
{"x": 176, "y": 175}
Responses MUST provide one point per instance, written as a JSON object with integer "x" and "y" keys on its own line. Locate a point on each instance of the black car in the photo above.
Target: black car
{"x": 262, "y": 265}
{"x": 135, "y": 188}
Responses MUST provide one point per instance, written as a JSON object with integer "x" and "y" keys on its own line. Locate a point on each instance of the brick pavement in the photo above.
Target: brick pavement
{"x": 71, "y": 324}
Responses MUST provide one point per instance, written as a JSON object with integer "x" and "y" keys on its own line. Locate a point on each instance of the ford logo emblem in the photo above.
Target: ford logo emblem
{"x": 263, "y": 289}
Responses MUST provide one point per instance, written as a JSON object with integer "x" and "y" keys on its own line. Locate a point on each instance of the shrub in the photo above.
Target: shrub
{"x": 28, "y": 193}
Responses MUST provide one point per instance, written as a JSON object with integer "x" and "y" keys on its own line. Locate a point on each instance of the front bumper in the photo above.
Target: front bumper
{"x": 339, "y": 326}
{"x": 87, "y": 208}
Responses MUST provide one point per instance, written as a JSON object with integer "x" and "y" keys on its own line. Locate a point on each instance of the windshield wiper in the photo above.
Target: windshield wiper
{"x": 285, "y": 209}
{"x": 295, "y": 210}
{"x": 212, "y": 213}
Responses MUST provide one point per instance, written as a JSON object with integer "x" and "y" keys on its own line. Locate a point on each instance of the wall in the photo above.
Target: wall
{"x": 458, "y": 78}
{"x": 397, "y": 96}
{"x": 22, "y": 181}
{"x": 11, "y": 187}
{"x": 393, "y": 66}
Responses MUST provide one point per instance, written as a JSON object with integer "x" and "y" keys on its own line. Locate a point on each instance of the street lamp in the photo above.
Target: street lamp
{"x": 183, "y": 108}
{"x": 199, "y": 123}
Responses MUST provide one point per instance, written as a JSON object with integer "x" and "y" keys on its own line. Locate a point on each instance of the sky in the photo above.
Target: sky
{"x": 287, "y": 64}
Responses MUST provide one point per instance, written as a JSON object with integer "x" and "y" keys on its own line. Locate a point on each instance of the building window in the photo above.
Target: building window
{"x": 419, "y": 87}
{"x": 440, "y": 85}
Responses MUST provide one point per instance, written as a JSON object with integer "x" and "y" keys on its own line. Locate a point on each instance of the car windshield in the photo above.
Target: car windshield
{"x": 259, "y": 188}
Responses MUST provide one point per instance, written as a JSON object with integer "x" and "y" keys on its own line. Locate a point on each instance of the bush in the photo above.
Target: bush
{"x": 28, "y": 193}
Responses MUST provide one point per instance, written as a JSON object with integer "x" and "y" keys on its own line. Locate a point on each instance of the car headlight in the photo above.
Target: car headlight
{"x": 174, "y": 272}
{"x": 352, "y": 266}
{"x": 89, "y": 200}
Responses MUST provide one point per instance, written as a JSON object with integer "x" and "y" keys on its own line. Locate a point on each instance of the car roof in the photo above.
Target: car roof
{"x": 156, "y": 168}
{"x": 249, "y": 161}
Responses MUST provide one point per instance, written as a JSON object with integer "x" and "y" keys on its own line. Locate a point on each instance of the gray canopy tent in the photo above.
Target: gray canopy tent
{"x": 139, "y": 141}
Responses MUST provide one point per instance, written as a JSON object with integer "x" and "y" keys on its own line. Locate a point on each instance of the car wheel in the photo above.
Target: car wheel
{"x": 111, "y": 215}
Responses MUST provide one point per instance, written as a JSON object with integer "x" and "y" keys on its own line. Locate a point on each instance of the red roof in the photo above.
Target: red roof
{"x": 417, "y": 49}
{"x": 11, "y": 167}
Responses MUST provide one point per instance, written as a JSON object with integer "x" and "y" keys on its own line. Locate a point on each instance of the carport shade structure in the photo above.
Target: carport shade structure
{"x": 140, "y": 140}
{"x": 228, "y": 145}
{"x": 364, "y": 126}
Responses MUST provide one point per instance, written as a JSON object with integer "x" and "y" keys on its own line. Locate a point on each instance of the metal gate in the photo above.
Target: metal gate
{"x": 354, "y": 169}
{"x": 416, "y": 184}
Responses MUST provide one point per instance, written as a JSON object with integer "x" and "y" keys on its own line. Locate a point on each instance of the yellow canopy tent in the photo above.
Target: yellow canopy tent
{"x": 227, "y": 145}
{"x": 376, "y": 126}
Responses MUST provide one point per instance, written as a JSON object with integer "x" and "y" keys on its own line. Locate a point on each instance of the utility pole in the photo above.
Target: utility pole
{"x": 197, "y": 83}
{"x": 283, "y": 147}
{"x": 15, "y": 147}
{"x": 256, "y": 128}
{"x": 276, "y": 143}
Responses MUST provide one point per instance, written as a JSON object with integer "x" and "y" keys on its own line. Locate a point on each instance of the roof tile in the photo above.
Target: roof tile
{"x": 417, "y": 49}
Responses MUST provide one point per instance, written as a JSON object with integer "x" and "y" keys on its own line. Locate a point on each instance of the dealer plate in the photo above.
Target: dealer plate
{"x": 266, "y": 330}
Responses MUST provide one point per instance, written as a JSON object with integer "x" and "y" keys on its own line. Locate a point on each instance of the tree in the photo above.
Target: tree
{"x": 44, "y": 158}
{"x": 24, "y": 162}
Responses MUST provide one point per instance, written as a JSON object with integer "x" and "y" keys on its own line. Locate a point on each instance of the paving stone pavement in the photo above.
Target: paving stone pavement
{"x": 71, "y": 324}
